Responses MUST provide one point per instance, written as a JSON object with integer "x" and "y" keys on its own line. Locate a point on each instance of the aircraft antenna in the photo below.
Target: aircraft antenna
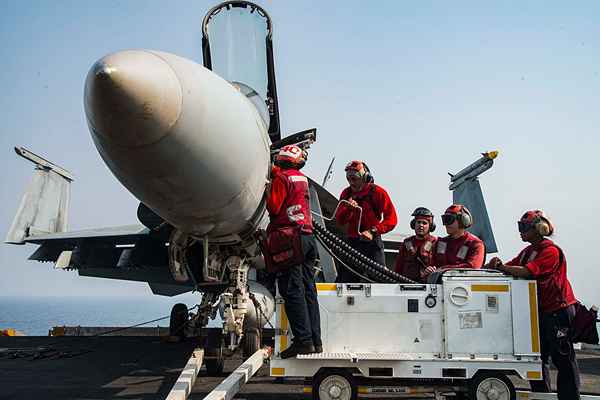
{"x": 329, "y": 173}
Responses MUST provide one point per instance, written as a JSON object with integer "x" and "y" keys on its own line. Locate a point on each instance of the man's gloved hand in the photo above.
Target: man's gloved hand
{"x": 353, "y": 203}
{"x": 494, "y": 263}
{"x": 366, "y": 235}
{"x": 428, "y": 271}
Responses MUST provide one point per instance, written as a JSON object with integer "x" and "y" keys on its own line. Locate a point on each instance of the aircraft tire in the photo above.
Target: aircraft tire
{"x": 178, "y": 320}
{"x": 251, "y": 342}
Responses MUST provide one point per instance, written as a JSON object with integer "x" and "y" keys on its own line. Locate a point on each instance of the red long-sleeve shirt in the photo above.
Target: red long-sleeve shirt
{"x": 377, "y": 210}
{"x": 288, "y": 201}
{"x": 466, "y": 251}
{"x": 548, "y": 267}
{"x": 277, "y": 193}
{"x": 411, "y": 251}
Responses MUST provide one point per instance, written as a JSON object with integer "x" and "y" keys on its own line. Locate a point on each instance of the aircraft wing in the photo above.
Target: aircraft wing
{"x": 131, "y": 252}
{"x": 120, "y": 233}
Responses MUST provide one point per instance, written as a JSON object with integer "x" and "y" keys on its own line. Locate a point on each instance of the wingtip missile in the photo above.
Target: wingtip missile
{"x": 491, "y": 154}
{"x": 473, "y": 170}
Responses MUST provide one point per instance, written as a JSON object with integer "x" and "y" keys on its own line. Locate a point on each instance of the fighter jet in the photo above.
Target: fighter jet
{"x": 194, "y": 143}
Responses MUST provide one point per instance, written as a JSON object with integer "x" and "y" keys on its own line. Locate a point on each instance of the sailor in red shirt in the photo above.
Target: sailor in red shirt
{"x": 545, "y": 262}
{"x": 416, "y": 252}
{"x": 288, "y": 205}
{"x": 460, "y": 249}
{"x": 364, "y": 228}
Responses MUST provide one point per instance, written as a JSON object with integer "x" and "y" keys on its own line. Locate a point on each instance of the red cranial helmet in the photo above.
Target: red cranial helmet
{"x": 535, "y": 219}
{"x": 457, "y": 212}
{"x": 359, "y": 169}
{"x": 356, "y": 168}
{"x": 291, "y": 155}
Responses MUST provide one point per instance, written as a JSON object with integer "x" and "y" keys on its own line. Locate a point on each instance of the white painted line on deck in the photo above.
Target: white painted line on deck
{"x": 183, "y": 386}
{"x": 234, "y": 382}
{"x": 523, "y": 395}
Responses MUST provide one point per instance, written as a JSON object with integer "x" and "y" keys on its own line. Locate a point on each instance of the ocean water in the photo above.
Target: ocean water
{"x": 35, "y": 316}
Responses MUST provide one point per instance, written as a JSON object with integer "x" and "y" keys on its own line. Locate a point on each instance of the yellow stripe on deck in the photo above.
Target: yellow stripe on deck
{"x": 489, "y": 288}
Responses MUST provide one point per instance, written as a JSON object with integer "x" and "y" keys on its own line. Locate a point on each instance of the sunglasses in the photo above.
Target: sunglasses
{"x": 524, "y": 226}
{"x": 448, "y": 219}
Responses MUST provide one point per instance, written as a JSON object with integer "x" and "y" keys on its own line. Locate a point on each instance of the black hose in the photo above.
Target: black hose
{"x": 327, "y": 244}
{"x": 333, "y": 242}
{"x": 381, "y": 270}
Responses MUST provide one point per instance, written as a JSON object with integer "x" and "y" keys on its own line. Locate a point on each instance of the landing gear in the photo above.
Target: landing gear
{"x": 213, "y": 353}
{"x": 179, "y": 321}
{"x": 251, "y": 342}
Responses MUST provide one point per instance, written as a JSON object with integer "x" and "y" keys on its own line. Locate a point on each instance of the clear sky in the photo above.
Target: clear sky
{"x": 416, "y": 89}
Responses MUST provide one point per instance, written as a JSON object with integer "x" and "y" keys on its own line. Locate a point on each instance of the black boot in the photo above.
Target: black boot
{"x": 318, "y": 348}
{"x": 297, "y": 348}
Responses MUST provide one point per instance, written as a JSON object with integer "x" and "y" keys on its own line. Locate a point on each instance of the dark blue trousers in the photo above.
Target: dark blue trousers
{"x": 556, "y": 344}
{"x": 298, "y": 289}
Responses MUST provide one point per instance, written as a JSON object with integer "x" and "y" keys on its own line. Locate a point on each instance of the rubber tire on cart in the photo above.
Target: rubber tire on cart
{"x": 334, "y": 384}
{"x": 178, "y": 321}
{"x": 213, "y": 354}
{"x": 490, "y": 385}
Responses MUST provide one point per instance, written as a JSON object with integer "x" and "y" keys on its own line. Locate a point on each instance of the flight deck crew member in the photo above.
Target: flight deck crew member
{"x": 460, "y": 249}
{"x": 288, "y": 205}
{"x": 545, "y": 262}
{"x": 378, "y": 216}
{"x": 416, "y": 252}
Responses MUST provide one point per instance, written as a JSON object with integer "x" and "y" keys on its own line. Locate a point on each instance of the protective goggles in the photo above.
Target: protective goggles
{"x": 524, "y": 226}
{"x": 353, "y": 174}
{"x": 448, "y": 219}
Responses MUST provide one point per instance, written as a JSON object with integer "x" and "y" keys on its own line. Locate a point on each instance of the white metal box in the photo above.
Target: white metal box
{"x": 473, "y": 320}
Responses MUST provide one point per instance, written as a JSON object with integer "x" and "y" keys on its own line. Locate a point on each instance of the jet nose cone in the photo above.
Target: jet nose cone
{"x": 132, "y": 98}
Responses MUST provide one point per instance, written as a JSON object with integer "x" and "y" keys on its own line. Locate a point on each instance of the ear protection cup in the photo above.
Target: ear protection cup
{"x": 368, "y": 177}
{"x": 465, "y": 217}
{"x": 541, "y": 224}
{"x": 542, "y": 228}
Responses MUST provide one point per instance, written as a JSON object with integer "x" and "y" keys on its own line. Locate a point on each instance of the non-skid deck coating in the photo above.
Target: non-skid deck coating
{"x": 90, "y": 368}
{"x": 143, "y": 368}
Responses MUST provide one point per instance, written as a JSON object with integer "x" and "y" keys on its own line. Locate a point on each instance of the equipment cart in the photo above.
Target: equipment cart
{"x": 466, "y": 334}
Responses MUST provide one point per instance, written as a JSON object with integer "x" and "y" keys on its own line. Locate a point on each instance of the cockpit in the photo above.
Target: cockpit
{"x": 237, "y": 45}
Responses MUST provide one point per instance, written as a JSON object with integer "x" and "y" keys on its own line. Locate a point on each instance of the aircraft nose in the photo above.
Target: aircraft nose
{"x": 132, "y": 98}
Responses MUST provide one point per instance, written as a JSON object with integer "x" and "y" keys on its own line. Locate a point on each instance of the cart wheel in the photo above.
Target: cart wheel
{"x": 178, "y": 321}
{"x": 334, "y": 385}
{"x": 491, "y": 386}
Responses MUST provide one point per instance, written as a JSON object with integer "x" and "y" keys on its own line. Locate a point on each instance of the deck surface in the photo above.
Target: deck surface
{"x": 91, "y": 368}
